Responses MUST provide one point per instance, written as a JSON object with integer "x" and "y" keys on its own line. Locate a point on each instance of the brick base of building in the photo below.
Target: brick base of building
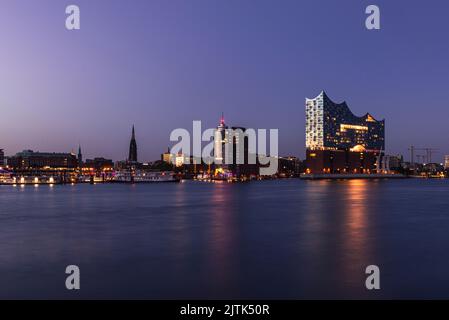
{"x": 341, "y": 161}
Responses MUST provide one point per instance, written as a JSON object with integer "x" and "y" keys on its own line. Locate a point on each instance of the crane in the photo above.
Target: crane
{"x": 427, "y": 156}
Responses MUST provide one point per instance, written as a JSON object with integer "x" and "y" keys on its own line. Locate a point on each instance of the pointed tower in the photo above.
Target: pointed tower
{"x": 80, "y": 157}
{"x": 133, "y": 148}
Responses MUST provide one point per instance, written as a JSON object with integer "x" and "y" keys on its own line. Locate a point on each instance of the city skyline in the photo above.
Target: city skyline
{"x": 60, "y": 89}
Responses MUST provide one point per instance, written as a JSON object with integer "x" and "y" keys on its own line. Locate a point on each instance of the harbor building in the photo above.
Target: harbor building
{"x": 446, "y": 162}
{"x": 290, "y": 167}
{"x": 28, "y": 159}
{"x": 337, "y": 141}
{"x": 100, "y": 164}
{"x": 167, "y": 156}
{"x": 175, "y": 159}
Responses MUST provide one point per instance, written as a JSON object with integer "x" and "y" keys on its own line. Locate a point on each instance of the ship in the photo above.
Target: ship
{"x": 7, "y": 178}
{"x": 144, "y": 177}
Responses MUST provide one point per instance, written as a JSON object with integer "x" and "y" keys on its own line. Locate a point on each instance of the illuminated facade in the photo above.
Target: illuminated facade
{"x": 167, "y": 156}
{"x": 337, "y": 141}
{"x": 100, "y": 164}
{"x": 221, "y": 138}
{"x": 332, "y": 126}
{"x": 231, "y": 152}
{"x": 446, "y": 162}
{"x": 29, "y": 159}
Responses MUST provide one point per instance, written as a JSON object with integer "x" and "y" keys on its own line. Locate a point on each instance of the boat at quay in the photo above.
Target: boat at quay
{"x": 144, "y": 177}
{"x": 9, "y": 180}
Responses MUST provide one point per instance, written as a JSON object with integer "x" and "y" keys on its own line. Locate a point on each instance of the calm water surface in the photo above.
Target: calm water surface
{"x": 269, "y": 239}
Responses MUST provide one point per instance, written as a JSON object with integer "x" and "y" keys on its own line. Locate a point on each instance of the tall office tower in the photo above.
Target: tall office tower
{"x": 133, "y": 147}
{"x": 2, "y": 158}
{"x": 446, "y": 162}
{"x": 220, "y": 141}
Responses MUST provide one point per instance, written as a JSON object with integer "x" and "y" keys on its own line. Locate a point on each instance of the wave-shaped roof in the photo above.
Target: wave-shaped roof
{"x": 343, "y": 106}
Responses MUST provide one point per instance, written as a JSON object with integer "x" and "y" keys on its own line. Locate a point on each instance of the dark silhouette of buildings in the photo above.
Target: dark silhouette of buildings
{"x": 80, "y": 157}
{"x": 241, "y": 165}
{"x": 2, "y": 158}
{"x": 290, "y": 167}
{"x": 133, "y": 148}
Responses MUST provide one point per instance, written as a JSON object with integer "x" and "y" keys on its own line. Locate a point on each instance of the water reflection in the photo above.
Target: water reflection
{"x": 273, "y": 239}
{"x": 222, "y": 236}
{"x": 356, "y": 248}
{"x": 315, "y": 220}
{"x": 182, "y": 237}
{"x": 334, "y": 234}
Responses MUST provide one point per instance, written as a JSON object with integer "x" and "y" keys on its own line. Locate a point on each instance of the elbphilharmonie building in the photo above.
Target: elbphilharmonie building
{"x": 331, "y": 125}
{"x": 337, "y": 141}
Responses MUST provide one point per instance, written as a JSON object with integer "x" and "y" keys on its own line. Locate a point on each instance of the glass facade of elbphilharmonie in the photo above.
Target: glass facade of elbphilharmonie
{"x": 331, "y": 125}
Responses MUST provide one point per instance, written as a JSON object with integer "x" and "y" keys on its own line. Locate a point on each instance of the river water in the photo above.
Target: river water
{"x": 283, "y": 239}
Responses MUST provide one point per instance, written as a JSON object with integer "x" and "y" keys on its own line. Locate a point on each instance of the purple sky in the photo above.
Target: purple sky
{"x": 161, "y": 64}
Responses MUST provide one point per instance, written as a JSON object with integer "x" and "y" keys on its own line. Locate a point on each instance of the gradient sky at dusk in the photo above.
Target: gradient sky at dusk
{"x": 161, "y": 64}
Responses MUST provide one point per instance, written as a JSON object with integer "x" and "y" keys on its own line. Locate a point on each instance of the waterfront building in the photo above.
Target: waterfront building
{"x": 2, "y": 158}
{"x": 221, "y": 139}
{"x": 432, "y": 169}
{"x": 244, "y": 164}
{"x": 446, "y": 162}
{"x": 28, "y": 159}
{"x": 180, "y": 159}
{"x": 167, "y": 156}
{"x": 222, "y": 152}
{"x": 177, "y": 159}
{"x": 396, "y": 162}
{"x": 337, "y": 141}
{"x": 100, "y": 164}
{"x": 289, "y": 167}
{"x": 133, "y": 148}
{"x": 232, "y": 154}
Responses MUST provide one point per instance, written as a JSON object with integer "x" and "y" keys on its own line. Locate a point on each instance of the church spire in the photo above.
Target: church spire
{"x": 133, "y": 147}
{"x": 80, "y": 156}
